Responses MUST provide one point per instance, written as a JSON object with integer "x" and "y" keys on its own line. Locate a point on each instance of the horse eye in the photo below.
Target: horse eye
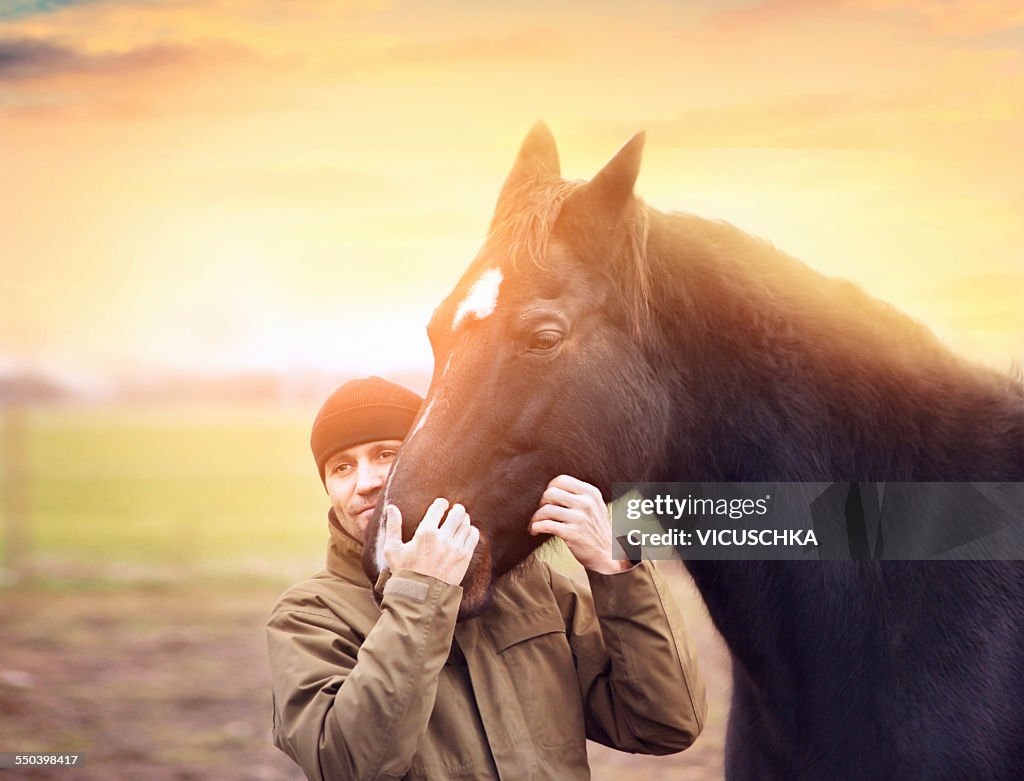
{"x": 543, "y": 341}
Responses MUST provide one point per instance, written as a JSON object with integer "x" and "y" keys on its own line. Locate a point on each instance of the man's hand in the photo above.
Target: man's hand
{"x": 439, "y": 549}
{"x": 575, "y": 511}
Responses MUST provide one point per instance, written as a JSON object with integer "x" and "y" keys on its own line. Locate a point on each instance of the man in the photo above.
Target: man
{"x": 401, "y": 690}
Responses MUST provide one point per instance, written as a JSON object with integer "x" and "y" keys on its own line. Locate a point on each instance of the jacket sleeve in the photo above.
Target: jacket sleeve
{"x": 641, "y": 686}
{"x": 345, "y": 710}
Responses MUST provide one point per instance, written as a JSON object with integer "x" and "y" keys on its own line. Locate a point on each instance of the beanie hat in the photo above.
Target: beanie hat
{"x": 361, "y": 411}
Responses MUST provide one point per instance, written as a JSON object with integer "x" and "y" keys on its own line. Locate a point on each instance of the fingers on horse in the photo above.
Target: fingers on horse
{"x": 464, "y": 531}
{"x": 555, "y": 495}
{"x": 547, "y": 527}
{"x": 432, "y": 518}
{"x": 568, "y": 532}
{"x": 560, "y": 514}
{"x": 392, "y": 527}
{"x": 454, "y": 520}
{"x": 574, "y": 485}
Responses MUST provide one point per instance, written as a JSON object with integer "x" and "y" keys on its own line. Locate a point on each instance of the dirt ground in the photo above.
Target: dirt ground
{"x": 171, "y": 682}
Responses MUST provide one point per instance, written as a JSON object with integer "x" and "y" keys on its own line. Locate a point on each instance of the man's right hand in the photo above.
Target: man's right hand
{"x": 440, "y": 549}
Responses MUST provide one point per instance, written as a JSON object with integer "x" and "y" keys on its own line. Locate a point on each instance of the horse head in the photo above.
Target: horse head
{"x": 539, "y": 363}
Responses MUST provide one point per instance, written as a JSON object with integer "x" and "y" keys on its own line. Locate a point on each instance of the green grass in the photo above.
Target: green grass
{"x": 171, "y": 490}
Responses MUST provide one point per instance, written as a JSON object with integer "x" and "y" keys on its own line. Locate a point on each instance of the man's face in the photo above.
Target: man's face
{"x": 354, "y": 480}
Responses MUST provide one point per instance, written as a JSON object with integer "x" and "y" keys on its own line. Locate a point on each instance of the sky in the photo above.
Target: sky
{"x": 224, "y": 185}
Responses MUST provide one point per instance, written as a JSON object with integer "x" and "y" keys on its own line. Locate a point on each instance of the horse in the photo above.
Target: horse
{"x": 596, "y": 336}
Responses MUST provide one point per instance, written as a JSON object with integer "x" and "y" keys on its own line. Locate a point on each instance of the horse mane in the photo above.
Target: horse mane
{"x": 752, "y": 269}
{"x": 820, "y": 348}
{"x": 673, "y": 247}
{"x": 759, "y": 273}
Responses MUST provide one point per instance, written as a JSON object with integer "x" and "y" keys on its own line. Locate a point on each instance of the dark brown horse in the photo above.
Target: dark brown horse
{"x": 595, "y": 336}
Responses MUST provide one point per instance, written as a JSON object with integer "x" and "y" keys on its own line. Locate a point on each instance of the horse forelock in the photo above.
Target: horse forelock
{"x": 522, "y": 229}
{"x": 525, "y": 217}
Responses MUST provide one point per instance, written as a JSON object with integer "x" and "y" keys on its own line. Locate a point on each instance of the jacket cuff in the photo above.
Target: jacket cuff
{"x": 410, "y": 587}
{"x": 620, "y": 593}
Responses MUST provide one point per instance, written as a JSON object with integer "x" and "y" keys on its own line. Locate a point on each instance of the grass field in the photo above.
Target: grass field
{"x": 171, "y": 491}
{"x": 157, "y": 542}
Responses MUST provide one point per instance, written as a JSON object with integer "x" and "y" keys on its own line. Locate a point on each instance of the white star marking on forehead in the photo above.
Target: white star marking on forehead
{"x": 481, "y": 299}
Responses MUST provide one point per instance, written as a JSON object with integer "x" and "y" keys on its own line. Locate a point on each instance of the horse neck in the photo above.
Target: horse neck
{"x": 782, "y": 374}
{"x": 787, "y": 374}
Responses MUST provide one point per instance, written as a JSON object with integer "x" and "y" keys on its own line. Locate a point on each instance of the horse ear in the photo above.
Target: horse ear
{"x": 537, "y": 155}
{"x": 613, "y": 184}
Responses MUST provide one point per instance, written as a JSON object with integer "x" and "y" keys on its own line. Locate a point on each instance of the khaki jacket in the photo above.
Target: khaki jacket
{"x": 402, "y": 691}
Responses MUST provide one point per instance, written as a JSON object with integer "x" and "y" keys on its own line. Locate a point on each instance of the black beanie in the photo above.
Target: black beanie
{"x": 361, "y": 411}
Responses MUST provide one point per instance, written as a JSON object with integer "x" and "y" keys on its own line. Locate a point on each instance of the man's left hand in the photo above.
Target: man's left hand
{"x": 575, "y": 512}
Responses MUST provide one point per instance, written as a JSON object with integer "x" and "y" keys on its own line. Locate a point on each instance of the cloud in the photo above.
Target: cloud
{"x": 33, "y": 58}
{"x": 20, "y": 9}
{"x": 819, "y": 121}
{"x": 24, "y": 59}
{"x": 528, "y": 43}
{"x": 952, "y": 18}
{"x": 46, "y": 80}
{"x": 271, "y": 188}
{"x": 267, "y": 26}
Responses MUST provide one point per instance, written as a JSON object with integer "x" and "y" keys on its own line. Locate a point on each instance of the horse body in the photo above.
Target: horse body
{"x": 598, "y": 337}
{"x": 861, "y": 669}
{"x": 871, "y": 669}
{"x": 847, "y": 669}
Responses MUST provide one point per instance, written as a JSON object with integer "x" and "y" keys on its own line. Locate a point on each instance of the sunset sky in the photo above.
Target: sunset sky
{"x": 215, "y": 185}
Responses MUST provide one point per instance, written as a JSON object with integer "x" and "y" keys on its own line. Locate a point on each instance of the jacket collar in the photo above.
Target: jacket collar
{"x": 344, "y": 553}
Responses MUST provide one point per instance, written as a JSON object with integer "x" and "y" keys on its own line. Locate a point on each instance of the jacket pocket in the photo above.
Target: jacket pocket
{"x": 535, "y": 650}
{"x": 526, "y": 625}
